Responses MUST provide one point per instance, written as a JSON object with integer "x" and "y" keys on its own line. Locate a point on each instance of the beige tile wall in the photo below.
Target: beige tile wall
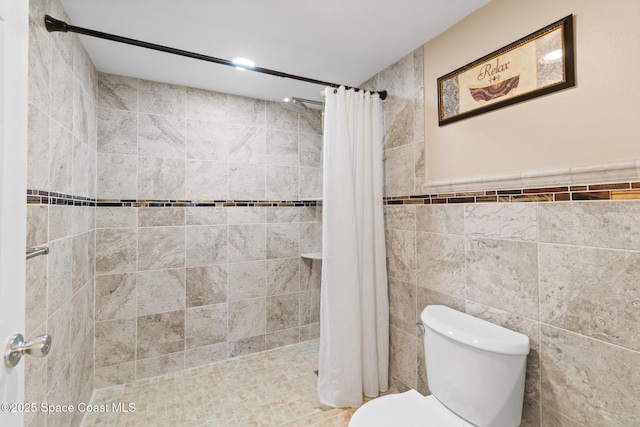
{"x": 181, "y": 287}
{"x": 161, "y": 141}
{"x": 574, "y": 293}
{"x": 565, "y": 273}
{"x": 61, "y": 158}
{"x": 403, "y": 123}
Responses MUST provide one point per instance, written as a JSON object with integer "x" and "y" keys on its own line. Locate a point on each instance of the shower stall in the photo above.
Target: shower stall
{"x": 221, "y": 261}
{"x": 175, "y": 219}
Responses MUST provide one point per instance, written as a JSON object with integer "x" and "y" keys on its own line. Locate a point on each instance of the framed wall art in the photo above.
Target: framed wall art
{"x": 535, "y": 65}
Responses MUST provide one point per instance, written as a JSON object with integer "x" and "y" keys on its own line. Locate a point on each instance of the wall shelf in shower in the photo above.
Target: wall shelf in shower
{"x": 312, "y": 255}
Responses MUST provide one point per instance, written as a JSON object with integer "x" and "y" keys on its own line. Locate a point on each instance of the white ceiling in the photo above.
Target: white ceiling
{"x": 338, "y": 41}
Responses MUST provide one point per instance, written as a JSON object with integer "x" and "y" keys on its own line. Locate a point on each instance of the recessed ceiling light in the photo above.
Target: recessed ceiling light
{"x": 243, "y": 63}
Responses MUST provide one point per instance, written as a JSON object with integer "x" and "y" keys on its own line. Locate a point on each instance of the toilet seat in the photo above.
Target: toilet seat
{"x": 408, "y": 409}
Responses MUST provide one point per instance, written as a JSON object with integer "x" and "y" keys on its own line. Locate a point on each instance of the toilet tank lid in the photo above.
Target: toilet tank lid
{"x": 474, "y": 332}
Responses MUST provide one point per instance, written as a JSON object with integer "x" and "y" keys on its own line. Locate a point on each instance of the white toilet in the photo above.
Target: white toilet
{"x": 475, "y": 371}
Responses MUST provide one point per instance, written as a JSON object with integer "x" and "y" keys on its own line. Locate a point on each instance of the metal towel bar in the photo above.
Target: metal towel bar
{"x": 34, "y": 252}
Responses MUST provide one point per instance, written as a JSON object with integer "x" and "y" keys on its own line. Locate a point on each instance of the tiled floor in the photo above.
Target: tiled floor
{"x": 274, "y": 388}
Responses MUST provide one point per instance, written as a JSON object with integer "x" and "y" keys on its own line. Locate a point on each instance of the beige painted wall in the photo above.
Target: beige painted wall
{"x": 597, "y": 121}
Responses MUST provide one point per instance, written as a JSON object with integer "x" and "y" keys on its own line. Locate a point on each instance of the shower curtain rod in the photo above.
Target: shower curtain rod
{"x": 53, "y": 25}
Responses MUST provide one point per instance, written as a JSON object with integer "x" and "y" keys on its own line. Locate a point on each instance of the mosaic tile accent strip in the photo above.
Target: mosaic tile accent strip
{"x": 39, "y": 197}
{"x": 206, "y": 203}
{"x": 272, "y": 388}
{"x": 614, "y": 191}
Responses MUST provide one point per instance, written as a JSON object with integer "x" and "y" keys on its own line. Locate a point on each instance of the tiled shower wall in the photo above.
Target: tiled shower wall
{"x": 161, "y": 141}
{"x": 564, "y": 273}
{"x": 179, "y": 285}
{"x": 61, "y": 165}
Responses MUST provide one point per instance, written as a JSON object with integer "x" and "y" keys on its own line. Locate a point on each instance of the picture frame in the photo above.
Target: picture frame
{"x": 535, "y": 65}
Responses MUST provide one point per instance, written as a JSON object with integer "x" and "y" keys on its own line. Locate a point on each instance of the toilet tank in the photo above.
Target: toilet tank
{"x": 475, "y": 368}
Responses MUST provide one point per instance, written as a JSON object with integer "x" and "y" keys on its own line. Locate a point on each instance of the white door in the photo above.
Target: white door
{"x": 14, "y": 40}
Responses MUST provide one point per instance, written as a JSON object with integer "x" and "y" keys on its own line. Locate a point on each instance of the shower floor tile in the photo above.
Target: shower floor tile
{"x": 274, "y": 388}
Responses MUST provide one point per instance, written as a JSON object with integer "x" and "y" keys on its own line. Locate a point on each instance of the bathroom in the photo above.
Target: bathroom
{"x": 561, "y": 269}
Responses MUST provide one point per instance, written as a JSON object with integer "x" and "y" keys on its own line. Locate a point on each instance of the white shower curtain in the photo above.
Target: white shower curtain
{"x": 354, "y": 308}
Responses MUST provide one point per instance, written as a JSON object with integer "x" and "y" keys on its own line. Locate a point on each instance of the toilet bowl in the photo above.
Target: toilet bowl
{"x": 408, "y": 409}
{"x": 475, "y": 370}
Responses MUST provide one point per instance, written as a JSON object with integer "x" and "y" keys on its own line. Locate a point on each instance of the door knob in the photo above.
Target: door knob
{"x": 16, "y": 347}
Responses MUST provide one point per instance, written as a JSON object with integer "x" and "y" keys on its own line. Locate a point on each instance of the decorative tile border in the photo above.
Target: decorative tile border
{"x": 612, "y": 172}
{"x": 612, "y": 191}
{"x": 39, "y": 197}
{"x": 615, "y": 191}
{"x": 205, "y": 203}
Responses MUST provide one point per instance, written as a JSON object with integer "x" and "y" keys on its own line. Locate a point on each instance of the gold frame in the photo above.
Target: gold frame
{"x": 512, "y": 74}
